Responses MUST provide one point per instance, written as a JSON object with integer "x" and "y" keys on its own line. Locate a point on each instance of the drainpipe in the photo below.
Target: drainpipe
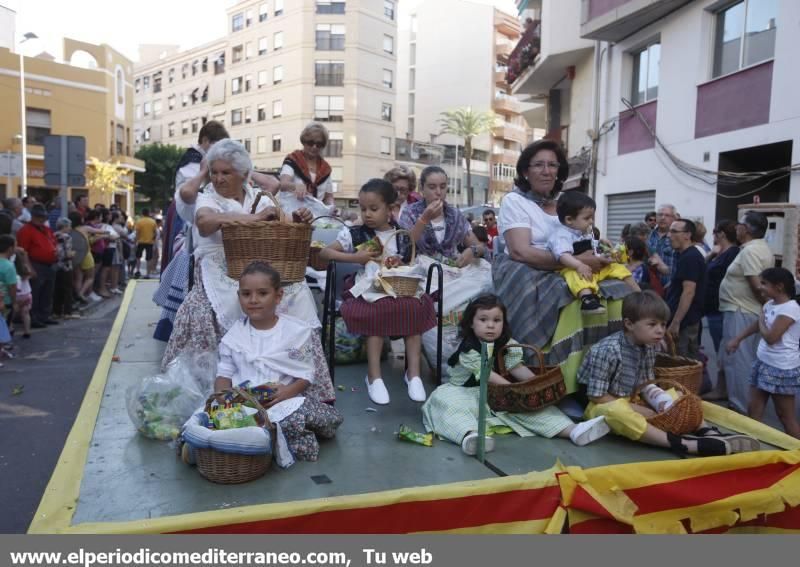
{"x": 595, "y": 132}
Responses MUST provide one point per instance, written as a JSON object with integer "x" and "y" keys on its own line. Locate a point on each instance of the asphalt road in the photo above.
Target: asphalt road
{"x": 40, "y": 393}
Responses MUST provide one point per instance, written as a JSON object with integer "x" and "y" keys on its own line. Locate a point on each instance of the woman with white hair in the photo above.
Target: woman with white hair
{"x": 306, "y": 176}
{"x": 212, "y": 306}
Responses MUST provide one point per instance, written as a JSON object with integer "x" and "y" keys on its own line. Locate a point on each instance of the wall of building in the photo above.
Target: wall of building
{"x": 8, "y": 19}
{"x": 560, "y": 16}
{"x": 686, "y": 62}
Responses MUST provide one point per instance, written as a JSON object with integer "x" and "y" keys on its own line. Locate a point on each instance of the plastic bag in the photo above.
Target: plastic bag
{"x": 159, "y": 405}
{"x": 450, "y": 342}
{"x": 350, "y": 348}
{"x": 290, "y": 203}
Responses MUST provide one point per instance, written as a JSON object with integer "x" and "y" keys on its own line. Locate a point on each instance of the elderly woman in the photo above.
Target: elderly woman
{"x": 212, "y": 306}
{"x": 306, "y": 176}
{"x": 404, "y": 181}
{"x": 526, "y": 278}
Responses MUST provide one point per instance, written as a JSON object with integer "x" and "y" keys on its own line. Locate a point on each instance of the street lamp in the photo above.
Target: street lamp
{"x": 26, "y": 37}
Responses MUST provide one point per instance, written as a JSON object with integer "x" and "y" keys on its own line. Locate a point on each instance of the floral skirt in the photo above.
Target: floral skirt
{"x": 312, "y": 420}
{"x": 775, "y": 380}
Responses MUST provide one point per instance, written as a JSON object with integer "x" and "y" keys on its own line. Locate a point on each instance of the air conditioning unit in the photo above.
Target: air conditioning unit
{"x": 783, "y": 232}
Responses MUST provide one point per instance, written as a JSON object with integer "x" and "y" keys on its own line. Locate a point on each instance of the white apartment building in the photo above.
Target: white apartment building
{"x": 453, "y": 54}
{"x": 715, "y": 81}
{"x": 283, "y": 64}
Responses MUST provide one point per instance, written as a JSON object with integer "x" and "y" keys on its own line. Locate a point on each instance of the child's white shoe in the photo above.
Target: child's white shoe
{"x": 470, "y": 444}
{"x": 416, "y": 391}
{"x": 377, "y": 391}
{"x": 588, "y": 431}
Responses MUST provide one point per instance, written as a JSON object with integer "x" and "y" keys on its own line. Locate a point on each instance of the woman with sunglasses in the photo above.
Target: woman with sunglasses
{"x": 306, "y": 175}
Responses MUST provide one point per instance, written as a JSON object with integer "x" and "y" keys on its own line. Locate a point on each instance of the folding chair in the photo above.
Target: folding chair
{"x": 335, "y": 281}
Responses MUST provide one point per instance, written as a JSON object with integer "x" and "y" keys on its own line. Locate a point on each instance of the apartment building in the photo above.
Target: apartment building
{"x": 454, "y": 54}
{"x": 94, "y": 101}
{"x": 688, "y": 102}
{"x": 281, "y": 65}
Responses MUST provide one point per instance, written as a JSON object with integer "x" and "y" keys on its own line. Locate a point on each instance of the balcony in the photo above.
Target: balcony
{"x": 506, "y": 24}
{"x": 506, "y": 105}
{"x": 510, "y": 132}
{"x": 614, "y": 20}
{"x": 503, "y": 49}
{"x": 507, "y": 157}
{"x": 525, "y": 52}
{"x": 500, "y": 78}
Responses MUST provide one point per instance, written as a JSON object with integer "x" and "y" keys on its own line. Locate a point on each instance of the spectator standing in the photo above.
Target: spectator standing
{"x": 725, "y": 250}
{"x": 22, "y": 307}
{"x": 740, "y": 302}
{"x": 38, "y": 240}
{"x": 490, "y": 222}
{"x": 686, "y": 292}
{"x": 650, "y": 220}
{"x": 12, "y": 209}
{"x": 699, "y": 240}
{"x": 662, "y": 255}
{"x": 62, "y": 295}
{"x": 82, "y": 206}
{"x": 27, "y": 203}
{"x": 146, "y": 230}
{"x": 8, "y": 275}
{"x": 53, "y": 214}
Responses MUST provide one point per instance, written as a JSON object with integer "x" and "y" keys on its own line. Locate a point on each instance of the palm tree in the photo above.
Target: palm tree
{"x": 467, "y": 124}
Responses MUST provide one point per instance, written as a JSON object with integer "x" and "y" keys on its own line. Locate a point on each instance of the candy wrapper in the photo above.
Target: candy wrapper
{"x": 407, "y": 434}
{"x": 372, "y": 244}
{"x": 233, "y": 418}
{"x": 617, "y": 253}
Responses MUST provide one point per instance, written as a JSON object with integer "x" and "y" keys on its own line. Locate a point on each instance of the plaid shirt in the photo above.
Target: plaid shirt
{"x": 615, "y": 365}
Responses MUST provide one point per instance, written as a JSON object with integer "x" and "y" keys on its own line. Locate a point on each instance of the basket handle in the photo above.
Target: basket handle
{"x": 247, "y": 396}
{"x": 671, "y": 346}
{"x": 501, "y": 362}
{"x": 328, "y": 217}
{"x": 413, "y": 245}
{"x": 281, "y": 214}
{"x": 677, "y": 385}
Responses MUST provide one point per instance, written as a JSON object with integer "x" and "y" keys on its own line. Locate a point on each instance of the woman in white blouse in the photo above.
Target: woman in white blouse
{"x": 306, "y": 176}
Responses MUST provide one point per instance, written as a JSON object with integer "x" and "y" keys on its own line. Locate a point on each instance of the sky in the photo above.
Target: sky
{"x": 124, "y": 25}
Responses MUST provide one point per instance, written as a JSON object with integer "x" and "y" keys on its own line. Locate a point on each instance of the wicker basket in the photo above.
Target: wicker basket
{"x": 230, "y": 468}
{"x": 403, "y": 286}
{"x": 546, "y": 389}
{"x": 314, "y": 261}
{"x": 283, "y": 245}
{"x": 685, "y": 371}
{"x": 684, "y": 415}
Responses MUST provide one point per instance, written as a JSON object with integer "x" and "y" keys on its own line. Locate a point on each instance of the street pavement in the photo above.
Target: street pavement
{"x": 41, "y": 390}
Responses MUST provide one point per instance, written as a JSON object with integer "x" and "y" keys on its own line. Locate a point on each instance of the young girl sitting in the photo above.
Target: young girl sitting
{"x": 376, "y": 315}
{"x": 24, "y": 299}
{"x": 776, "y": 371}
{"x": 263, "y": 348}
{"x": 452, "y": 409}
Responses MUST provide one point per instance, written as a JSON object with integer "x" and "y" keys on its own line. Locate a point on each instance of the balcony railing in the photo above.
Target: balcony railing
{"x": 526, "y": 51}
{"x": 506, "y": 105}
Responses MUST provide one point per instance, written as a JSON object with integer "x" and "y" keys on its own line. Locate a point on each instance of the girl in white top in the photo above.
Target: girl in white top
{"x": 776, "y": 372}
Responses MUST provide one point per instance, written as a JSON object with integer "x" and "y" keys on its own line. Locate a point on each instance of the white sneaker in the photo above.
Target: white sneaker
{"x": 470, "y": 444}
{"x": 94, "y": 297}
{"x": 588, "y": 431}
{"x": 115, "y": 291}
{"x": 416, "y": 391}
{"x": 377, "y": 391}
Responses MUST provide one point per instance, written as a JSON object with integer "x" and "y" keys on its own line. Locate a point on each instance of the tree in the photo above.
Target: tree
{"x": 107, "y": 177}
{"x": 467, "y": 124}
{"x": 159, "y": 176}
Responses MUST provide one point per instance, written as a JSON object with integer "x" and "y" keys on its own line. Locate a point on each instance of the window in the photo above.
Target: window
{"x": 247, "y": 144}
{"x": 386, "y": 146}
{"x": 262, "y": 78}
{"x": 262, "y": 13}
{"x": 184, "y": 70}
{"x": 147, "y": 107}
{"x": 388, "y": 77}
{"x": 412, "y": 79}
{"x": 137, "y": 84}
{"x": 219, "y": 63}
{"x": 204, "y": 97}
{"x": 248, "y": 17}
{"x": 386, "y": 112}
{"x": 329, "y": 73}
{"x": 195, "y": 95}
{"x": 138, "y": 112}
{"x": 411, "y": 103}
{"x": 236, "y": 116}
{"x": 146, "y": 84}
{"x": 277, "y": 40}
{"x": 146, "y": 135}
{"x": 745, "y": 35}
{"x": 388, "y": 9}
{"x": 237, "y": 53}
{"x": 412, "y": 54}
{"x": 330, "y": 7}
{"x": 236, "y": 85}
{"x": 329, "y": 108}
{"x": 645, "y": 74}
{"x": 261, "y": 144}
{"x": 157, "y": 82}
{"x": 277, "y": 108}
{"x": 171, "y": 102}
{"x": 237, "y": 22}
{"x": 157, "y": 108}
{"x": 330, "y": 37}
{"x": 248, "y": 81}
{"x": 248, "y": 50}
{"x": 248, "y": 115}
{"x": 171, "y": 130}
{"x": 261, "y": 113}
{"x": 184, "y": 99}
{"x": 335, "y": 144}
{"x": 204, "y": 65}
{"x": 276, "y": 142}
{"x": 171, "y": 75}
{"x": 195, "y": 67}
{"x": 277, "y": 74}
{"x": 37, "y": 125}
{"x": 195, "y": 125}
{"x": 337, "y": 173}
{"x": 262, "y": 45}
{"x": 184, "y": 127}
{"x": 388, "y": 44}
{"x": 278, "y": 7}
{"x": 410, "y": 132}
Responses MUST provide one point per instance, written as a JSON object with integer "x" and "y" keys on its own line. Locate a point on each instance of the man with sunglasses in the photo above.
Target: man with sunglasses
{"x": 686, "y": 291}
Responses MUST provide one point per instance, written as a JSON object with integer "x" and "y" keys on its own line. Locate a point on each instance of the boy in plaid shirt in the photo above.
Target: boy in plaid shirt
{"x": 615, "y": 365}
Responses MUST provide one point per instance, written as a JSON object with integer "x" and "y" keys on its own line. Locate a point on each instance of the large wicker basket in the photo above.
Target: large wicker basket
{"x": 230, "y": 468}
{"x": 546, "y": 389}
{"x": 314, "y": 261}
{"x": 283, "y": 245}
{"x": 403, "y": 286}
{"x": 685, "y": 371}
{"x": 685, "y": 415}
